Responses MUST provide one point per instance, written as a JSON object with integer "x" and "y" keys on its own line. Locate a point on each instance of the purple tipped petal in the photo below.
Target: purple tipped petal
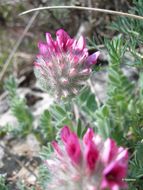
{"x": 92, "y": 59}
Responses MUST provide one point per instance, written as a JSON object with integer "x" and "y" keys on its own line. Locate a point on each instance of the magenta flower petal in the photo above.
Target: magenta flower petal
{"x": 73, "y": 148}
{"x": 110, "y": 150}
{"x": 50, "y": 41}
{"x": 91, "y": 155}
{"x": 62, "y": 39}
{"x": 65, "y": 133}
{"x": 43, "y": 48}
{"x": 92, "y": 59}
{"x": 56, "y": 147}
{"x": 87, "y": 138}
{"x": 116, "y": 170}
{"x": 80, "y": 45}
{"x": 122, "y": 155}
{"x": 72, "y": 144}
{"x": 113, "y": 176}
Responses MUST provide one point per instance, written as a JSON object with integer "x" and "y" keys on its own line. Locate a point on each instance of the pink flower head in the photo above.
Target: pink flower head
{"x": 63, "y": 65}
{"x": 88, "y": 163}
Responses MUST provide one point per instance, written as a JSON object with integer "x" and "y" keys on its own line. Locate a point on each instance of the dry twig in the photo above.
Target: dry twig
{"x": 106, "y": 11}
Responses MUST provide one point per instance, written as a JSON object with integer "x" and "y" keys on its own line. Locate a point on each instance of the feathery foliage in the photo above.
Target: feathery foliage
{"x": 18, "y": 107}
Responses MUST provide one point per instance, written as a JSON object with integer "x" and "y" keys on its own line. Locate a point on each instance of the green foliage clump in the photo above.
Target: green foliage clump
{"x": 120, "y": 92}
{"x": 19, "y": 108}
{"x": 132, "y": 31}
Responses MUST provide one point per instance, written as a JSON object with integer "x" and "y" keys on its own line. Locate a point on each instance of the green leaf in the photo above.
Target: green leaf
{"x": 45, "y": 120}
{"x": 91, "y": 103}
{"x": 87, "y": 104}
{"x": 46, "y": 131}
{"x": 79, "y": 128}
{"x": 60, "y": 116}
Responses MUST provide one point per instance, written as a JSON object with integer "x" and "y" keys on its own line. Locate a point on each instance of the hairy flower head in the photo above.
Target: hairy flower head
{"x": 87, "y": 164}
{"x": 63, "y": 65}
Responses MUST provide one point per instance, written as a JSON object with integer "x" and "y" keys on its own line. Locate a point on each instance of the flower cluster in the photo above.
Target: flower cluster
{"x": 87, "y": 164}
{"x": 63, "y": 65}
